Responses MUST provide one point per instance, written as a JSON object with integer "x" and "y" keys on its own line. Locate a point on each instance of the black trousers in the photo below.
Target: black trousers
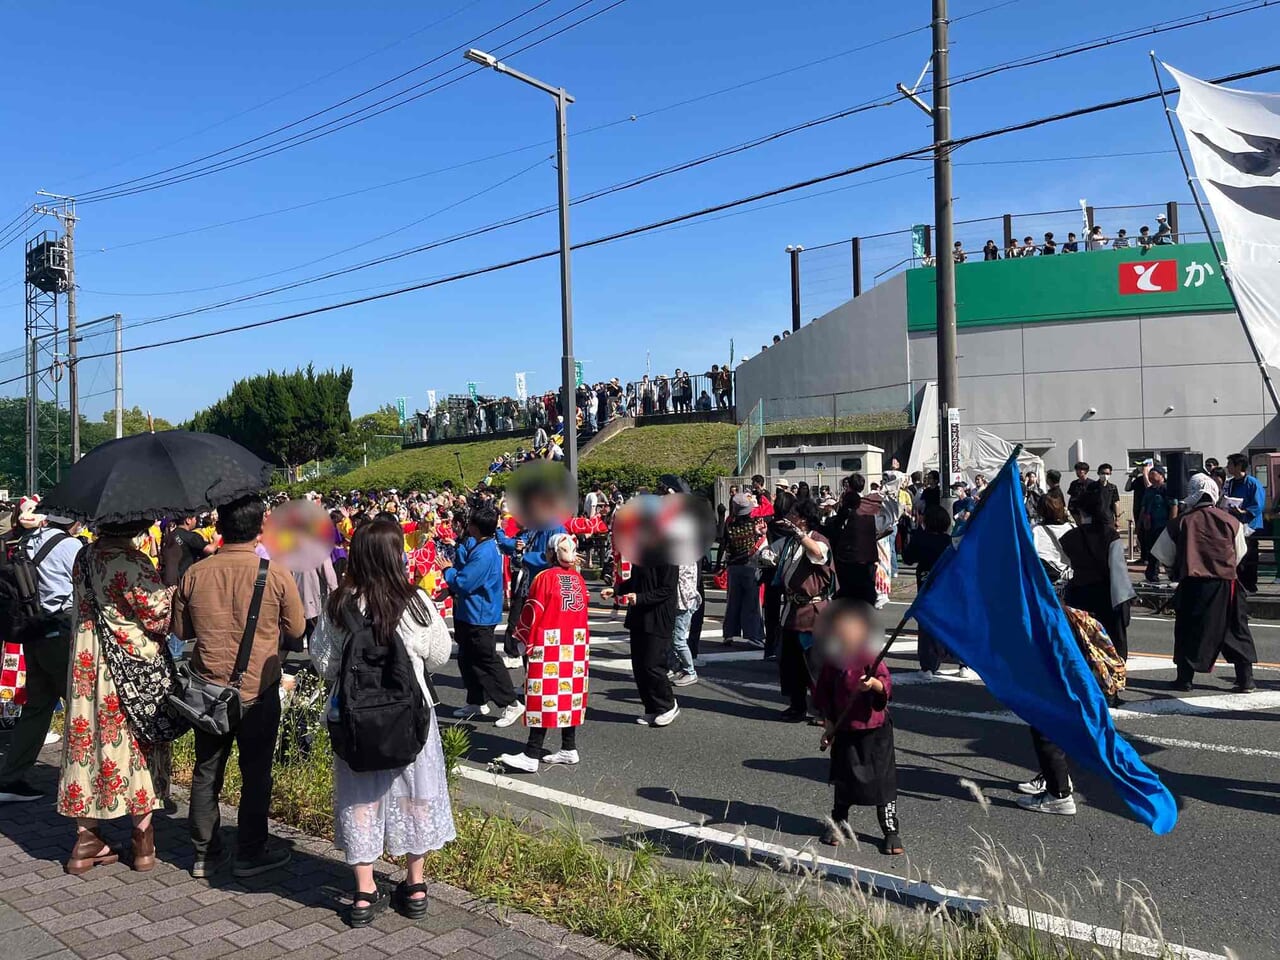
{"x": 794, "y": 675}
{"x": 856, "y": 581}
{"x": 1247, "y": 572}
{"x": 649, "y": 663}
{"x": 538, "y": 737}
{"x": 695, "y": 628}
{"x": 1053, "y": 764}
{"x": 256, "y": 738}
{"x": 47, "y": 658}
{"x": 483, "y": 673}
{"x": 772, "y": 619}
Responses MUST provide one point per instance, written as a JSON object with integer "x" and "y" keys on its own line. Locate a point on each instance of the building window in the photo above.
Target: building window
{"x": 851, "y": 464}
{"x": 786, "y": 465}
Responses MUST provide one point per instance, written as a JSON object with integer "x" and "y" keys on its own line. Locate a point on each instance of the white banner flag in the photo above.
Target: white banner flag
{"x": 522, "y": 389}
{"x": 1234, "y": 137}
{"x": 431, "y": 401}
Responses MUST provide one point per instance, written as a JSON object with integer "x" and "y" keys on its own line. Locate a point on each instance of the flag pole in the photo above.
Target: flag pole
{"x": 1013, "y": 458}
{"x": 1213, "y": 244}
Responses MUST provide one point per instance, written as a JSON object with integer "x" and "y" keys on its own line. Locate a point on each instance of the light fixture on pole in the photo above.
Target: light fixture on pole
{"x": 568, "y": 383}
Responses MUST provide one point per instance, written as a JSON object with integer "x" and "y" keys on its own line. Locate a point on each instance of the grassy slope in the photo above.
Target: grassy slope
{"x": 666, "y": 447}
{"x": 672, "y": 447}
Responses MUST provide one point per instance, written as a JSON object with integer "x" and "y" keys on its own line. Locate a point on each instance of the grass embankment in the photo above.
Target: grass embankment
{"x": 635, "y": 457}
{"x": 625, "y": 896}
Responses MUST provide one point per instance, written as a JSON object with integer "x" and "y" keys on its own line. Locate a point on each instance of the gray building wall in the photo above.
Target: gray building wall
{"x": 1156, "y": 382}
{"x": 854, "y": 358}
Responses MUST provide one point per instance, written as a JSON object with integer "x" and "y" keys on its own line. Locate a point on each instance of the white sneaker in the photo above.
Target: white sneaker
{"x": 646, "y": 720}
{"x": 569, "y": 757}
{"x": 510, "y": 715}
{"x": 964, "y": 673}
{"x": 754, "y": 644}
{"x": 683, "y": 679}
{"x": 520, "y": 762}
{"x": 664, "y": 719}
{"x": 1044, "y": 803}
{"x": 468, "y": 710}
{"x": 51, "y": 737}
{"x": 1033, "y": 787}
{"x": 672, "y": 674}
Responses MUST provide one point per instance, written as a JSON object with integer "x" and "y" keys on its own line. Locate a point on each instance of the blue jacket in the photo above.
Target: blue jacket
{"x": 1249, "y": 490}
{"x": 476, "y": 583}
{"x": 535, "y": 547}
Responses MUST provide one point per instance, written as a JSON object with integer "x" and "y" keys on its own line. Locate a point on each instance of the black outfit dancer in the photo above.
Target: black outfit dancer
{"x": 651, "y": 615}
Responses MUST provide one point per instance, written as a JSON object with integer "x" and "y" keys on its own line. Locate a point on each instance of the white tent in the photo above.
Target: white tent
{"x": 981, "y": 451}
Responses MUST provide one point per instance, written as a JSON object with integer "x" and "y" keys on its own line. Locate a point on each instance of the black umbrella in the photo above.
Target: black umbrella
{"x": 675, "y": 484}
{"x": 172, "y": 473}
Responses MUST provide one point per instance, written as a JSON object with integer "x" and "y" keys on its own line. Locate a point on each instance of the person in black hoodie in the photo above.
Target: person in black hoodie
{"x": 651, "y": 616}
{"x": 926, "y": 546}
{"x": 853, "y": 533}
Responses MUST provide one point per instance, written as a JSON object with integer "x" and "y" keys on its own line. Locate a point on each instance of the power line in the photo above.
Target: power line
{"x": 361, "y": 114}
{"x": 676, "y": 219}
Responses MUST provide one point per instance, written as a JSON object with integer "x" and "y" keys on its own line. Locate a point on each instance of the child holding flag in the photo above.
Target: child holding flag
{"x": 853, "y": 696}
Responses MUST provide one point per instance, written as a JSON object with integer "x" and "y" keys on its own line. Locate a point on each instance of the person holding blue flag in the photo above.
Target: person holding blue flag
{"x": 989, "y": 601}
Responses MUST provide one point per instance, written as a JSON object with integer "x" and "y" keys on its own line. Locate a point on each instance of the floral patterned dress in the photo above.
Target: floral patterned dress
{"x": 106, "y": 772}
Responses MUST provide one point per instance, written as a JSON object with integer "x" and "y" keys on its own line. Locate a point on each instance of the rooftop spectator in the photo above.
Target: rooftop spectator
{"x": 1145, "y": 240}
{"x": 957, "y": 252}
{"x": 1164, "y": 235}
{"x": 1096, "y": 240}
{"x": 990, "y": 251}
{"x": 1121, "y": 241}
{"x": 1014, "y": 250}
{"x": 1072, "y": 245}
{"x": 1049, "y": 247}
{"x": 1028, "y": 248}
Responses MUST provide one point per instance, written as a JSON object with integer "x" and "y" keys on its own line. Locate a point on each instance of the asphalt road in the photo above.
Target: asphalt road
{"x": 727, "y": 765}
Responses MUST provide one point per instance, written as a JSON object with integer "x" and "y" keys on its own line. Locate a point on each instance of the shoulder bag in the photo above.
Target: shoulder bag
{"x": 143, "y": 684}
{"x": 214, "y": 707}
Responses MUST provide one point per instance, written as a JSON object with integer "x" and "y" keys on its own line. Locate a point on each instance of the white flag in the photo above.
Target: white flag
{"x": 431, "y": 401}
{"x": 1234, "y": 137}
{"x": 522, "y": 390}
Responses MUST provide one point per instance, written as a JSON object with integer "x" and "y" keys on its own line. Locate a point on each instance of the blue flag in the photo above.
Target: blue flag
{"x": 990, "y": 602}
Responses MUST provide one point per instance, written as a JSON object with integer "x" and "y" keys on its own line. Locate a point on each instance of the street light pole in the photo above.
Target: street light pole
{"x": 568, "y": 369}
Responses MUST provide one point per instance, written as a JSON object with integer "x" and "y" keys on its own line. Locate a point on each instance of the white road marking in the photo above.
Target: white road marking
{"x": 879, "y": 881}
{"x": 1193, "y": 706}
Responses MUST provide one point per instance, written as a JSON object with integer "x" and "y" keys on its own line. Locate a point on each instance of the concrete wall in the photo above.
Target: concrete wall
{"x": 1157, "y": 383}
{"x": 859, "y": 349}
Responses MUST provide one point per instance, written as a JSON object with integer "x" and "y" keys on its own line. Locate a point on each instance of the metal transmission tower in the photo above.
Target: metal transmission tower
{"x": 50, "y": 274}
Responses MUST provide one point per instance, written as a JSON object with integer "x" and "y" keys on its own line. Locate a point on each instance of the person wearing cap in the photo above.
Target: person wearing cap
{"x": 1164, "y": 233}
{"x": 1202, "y": 547}
{"x": 738, "y": 544}
{"x": 46, "y": 644}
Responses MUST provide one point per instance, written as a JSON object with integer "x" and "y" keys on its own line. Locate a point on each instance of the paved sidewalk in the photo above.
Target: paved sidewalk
{"x": 115, "y": 914}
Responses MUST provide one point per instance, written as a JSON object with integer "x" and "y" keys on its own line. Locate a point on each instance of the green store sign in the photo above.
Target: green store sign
{"x": 1183, "y": 278}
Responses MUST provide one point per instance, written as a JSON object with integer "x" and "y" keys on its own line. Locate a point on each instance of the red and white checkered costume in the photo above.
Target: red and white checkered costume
{"x": 13, "y": 681}
{"x": 553, "y": 629}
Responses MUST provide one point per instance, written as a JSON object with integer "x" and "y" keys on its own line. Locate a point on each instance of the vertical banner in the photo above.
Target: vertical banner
{"x": 472, "y": 392}
{"x": 953, "y": 443}
{"x": 577, "y": 372}
{"x": 917, "y": 241}
{"x": 522, "y": 388}
{"x": 431, "y": 401}
{"x": 400, "y": 401}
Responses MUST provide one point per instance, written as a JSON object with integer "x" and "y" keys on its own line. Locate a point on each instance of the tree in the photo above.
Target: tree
{"x": 373, "y": 434}
{"x": 13, "y": 441}
{"x": 285, "y": 418}
{"x": 134, "y": 420}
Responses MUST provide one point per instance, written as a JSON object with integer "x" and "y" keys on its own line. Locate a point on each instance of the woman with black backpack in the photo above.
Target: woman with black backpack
{"x": 380, "y": 638}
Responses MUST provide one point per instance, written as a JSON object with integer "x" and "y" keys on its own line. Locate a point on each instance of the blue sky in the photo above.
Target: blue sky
{"x": 95, "y": 94}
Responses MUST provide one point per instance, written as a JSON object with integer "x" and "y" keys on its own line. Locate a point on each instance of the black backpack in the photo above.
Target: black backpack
{"x": 382, "y": 720}
{"x": 20, "y": 611}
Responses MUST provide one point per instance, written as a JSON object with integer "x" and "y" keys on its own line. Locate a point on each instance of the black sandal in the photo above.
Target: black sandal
{"x": 406, "y": 904}
{"x": 375, "y": 903}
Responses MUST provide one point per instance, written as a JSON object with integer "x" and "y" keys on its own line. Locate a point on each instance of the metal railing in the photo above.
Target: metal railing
{"x": 680, "y": 393}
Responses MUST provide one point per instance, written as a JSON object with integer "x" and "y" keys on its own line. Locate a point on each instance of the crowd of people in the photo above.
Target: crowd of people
{"x": 227, "y": 596}
{"x": 1095, "y": 238}
{"x": 596, "y": 404}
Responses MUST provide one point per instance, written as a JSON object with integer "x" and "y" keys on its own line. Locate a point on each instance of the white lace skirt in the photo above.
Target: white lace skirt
{"x": 396, "y": 812}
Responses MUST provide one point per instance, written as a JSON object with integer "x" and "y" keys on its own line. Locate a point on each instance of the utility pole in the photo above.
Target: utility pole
{"x": 119, "y": 376}
{"x": 945, "y": 265}
{"x": 794, "y": 252}
{"x": 73, "y": 375}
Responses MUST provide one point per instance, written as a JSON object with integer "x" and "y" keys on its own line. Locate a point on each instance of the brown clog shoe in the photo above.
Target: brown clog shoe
{"x": 90, "y": 851}
{"x": 144, "y": 848}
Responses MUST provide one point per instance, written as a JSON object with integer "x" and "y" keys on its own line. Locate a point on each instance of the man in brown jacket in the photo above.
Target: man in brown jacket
{"x": 211, "y": 607}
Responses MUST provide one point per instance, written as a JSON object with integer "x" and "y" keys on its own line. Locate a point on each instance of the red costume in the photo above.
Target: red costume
{"x": 553, "y": 628}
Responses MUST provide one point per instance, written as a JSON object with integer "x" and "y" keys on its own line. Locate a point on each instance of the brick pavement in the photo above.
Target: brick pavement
{"x": 113, "y": 913}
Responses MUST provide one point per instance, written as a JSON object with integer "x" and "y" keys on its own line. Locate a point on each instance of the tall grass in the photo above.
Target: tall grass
{"x": 631, "y": 899}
